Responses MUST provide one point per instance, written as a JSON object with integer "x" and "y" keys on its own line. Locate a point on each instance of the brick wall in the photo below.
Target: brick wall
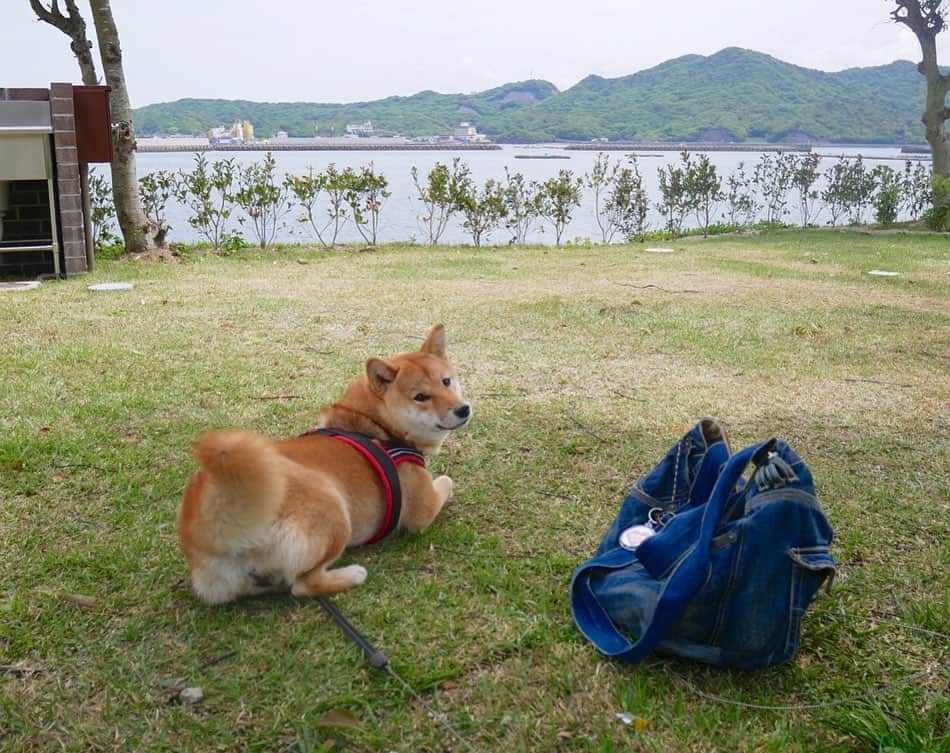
{"x": 27, "y": 219}
{"x": 72, "y": 236}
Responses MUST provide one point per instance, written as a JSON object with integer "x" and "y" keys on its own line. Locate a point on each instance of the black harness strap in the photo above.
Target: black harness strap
{"x": 383, "y": 465}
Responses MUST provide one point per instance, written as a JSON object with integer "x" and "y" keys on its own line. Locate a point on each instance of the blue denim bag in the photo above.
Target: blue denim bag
{"x": 731, "y": 568}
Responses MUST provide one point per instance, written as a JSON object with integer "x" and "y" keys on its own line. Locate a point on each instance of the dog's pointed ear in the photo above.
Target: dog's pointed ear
{"x": 380, "y": 374}
{"x": 435, "y": 342}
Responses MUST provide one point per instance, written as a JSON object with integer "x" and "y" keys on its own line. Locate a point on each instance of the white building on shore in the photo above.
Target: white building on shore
{"x": 466, "y": 132}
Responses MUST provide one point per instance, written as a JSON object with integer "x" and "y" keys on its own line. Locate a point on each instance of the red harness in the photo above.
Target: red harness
{"x": 384, "y": 458}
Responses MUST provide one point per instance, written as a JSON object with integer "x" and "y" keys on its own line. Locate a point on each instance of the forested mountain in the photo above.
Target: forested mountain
{"x": 733, "y": 95}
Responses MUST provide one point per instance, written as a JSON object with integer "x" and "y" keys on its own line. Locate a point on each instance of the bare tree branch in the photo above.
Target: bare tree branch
{"x": 73, "y": 26}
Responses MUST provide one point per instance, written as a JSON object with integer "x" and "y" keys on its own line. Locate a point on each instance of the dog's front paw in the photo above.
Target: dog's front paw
{"x": 443, "y": 485}
{"x": 357, "y": 573}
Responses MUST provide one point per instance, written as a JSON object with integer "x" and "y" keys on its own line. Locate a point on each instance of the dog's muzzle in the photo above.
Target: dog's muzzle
{"x": 463, "y": 413}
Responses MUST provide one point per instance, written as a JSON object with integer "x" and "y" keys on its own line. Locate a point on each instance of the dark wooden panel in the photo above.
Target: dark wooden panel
{"x": 93, "y": 123}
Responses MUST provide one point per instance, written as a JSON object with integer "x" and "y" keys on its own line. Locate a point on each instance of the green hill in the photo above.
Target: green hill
{"x": 733, "y": 95}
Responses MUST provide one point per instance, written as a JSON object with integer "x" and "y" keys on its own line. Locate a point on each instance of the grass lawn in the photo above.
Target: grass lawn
{"x": 583, "y": 366}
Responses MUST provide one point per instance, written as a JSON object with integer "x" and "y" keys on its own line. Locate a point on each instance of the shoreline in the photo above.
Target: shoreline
{"x": 315, "y": 147}
{"x": 149, "y": 145}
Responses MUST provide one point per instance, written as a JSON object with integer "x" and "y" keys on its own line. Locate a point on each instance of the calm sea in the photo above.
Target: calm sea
{"x": 399, "y": 215}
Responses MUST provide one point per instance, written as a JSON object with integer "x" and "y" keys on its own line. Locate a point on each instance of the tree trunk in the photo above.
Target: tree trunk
{"x": 926, "y": 19}
{"x": 935, "y": 112}
{"x": 140, "y": 232}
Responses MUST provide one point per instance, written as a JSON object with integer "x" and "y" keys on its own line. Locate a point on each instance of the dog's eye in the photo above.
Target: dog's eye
{"x": 420, "y": 397}
{"x": 446, "y": 381}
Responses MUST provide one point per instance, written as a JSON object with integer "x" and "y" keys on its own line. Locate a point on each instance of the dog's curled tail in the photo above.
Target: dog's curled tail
{"x": 247, "y": 477}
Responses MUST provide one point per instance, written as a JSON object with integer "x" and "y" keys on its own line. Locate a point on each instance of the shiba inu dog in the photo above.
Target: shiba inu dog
{"x": 262, "y": 515}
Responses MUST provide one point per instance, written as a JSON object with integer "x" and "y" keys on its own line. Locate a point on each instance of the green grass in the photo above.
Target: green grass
{"x": 584, "y": 365}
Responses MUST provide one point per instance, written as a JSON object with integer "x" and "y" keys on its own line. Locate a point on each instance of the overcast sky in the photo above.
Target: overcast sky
{"x": 356, "y": 50}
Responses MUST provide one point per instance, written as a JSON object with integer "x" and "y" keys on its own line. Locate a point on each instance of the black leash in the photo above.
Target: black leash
{"x": 378, "y": 660}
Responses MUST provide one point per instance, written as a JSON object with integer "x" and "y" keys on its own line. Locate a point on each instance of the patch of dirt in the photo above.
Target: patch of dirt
{"x": 769, "y": 257}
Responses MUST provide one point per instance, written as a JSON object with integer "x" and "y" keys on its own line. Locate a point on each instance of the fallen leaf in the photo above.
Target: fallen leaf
{"x": 81, "y": 600}
{"x": 565, "y": 734}
{"x": 338, "y": 718}
{"x": 448, "y": 685}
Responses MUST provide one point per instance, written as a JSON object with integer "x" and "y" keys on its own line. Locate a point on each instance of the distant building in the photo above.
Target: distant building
{"x": 467, "y": 132}
{"x": 361, "y": 129}
{"x": 240, "y": 132}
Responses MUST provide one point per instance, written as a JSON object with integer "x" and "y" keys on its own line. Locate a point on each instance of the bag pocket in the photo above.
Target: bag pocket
{"x": 696, "y": 628}
{"x": 811, "y": 567}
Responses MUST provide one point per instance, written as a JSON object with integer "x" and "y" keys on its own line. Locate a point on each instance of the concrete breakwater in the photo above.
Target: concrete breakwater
{"x": 315, "y": 146}
{"x": 697, "y": 146}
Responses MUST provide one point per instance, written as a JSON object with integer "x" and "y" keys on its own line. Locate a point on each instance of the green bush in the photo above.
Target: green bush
{"x": 938, "y": 217}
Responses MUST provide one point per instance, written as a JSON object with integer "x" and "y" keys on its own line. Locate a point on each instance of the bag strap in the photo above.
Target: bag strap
{"x": 688, "y": 573}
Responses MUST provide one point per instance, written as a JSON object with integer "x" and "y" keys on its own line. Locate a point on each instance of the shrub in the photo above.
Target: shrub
{"x": 627, "y": 202}
{"x": 703, "y": 189}
{"x": 674, "y": 202}
{"x": 773, "y": 176}
{"x": 916, "y": 189}
{"x": 887, "y": 194}
{"x": 803, "y": 178}
{"x": 558, "y": 198}
{"x": 601, "y": 180}
{"x": 365, "y": 193}
{"x": 155, "y": 190}
{"x": 483, "y": 209}
{"x": 262, "y": 198}
{"x": 522, "y": 206}
{"x": 938, "y": 216}
{"x": 741, "y": 197}
{"x": 102, "y": 212}
{"x": 209, "y": 194}
{"x": 440, "y": 195}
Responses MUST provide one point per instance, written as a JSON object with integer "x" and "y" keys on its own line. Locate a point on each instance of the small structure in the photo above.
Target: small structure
{"x": 47, "y": 139}
{"x": 361, "y": 130}
{"x": 467, "y": 132}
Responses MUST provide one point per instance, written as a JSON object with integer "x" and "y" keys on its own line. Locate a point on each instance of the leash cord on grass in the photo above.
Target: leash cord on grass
{"x": 441, "y": 717}
{"x": 802, "y": 706}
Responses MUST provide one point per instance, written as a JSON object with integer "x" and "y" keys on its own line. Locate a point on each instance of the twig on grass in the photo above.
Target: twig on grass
{"x": 276, "y": 397}
{"x": 625, "y": 396}
{"x": 581, "y": 426}
{"x": 875, "y": 381}
{"x": 554, "y": 495}
{"x": 651, "y": 285}
{"x": 63, "y": 466}
{"x": 218, "y": 659}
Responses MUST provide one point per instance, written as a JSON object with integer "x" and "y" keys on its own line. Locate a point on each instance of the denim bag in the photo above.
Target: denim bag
{"x": 730, "y": 569}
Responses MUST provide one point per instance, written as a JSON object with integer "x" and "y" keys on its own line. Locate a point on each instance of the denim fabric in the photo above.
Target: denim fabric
{"x": 731, "y": 569}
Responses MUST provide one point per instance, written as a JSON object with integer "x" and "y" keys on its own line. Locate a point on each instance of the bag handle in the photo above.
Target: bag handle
{"x": 688, "y": 573}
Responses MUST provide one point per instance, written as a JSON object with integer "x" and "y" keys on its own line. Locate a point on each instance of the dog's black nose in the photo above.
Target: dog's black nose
{"x": 463, "y": 411}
